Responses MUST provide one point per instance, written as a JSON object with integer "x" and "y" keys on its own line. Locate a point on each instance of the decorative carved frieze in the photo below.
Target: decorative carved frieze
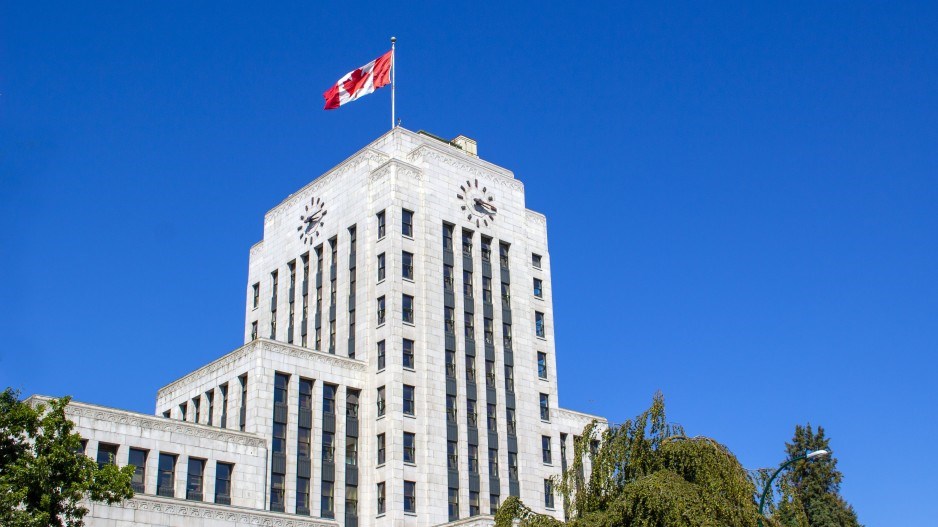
{"x": 230, "y": 515}
{"x": 535, "y": 217}
{"x": 403, "y": 170}
{"x": 426, "y": 152}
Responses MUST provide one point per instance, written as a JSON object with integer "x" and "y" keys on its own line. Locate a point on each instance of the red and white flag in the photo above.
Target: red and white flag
{"x": 362, "y": 81}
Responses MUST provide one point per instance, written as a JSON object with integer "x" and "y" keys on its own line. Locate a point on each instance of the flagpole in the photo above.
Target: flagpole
{"x": 393, "y": 75}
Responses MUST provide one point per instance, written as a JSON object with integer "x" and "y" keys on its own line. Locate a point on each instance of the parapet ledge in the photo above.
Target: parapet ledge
{"x": 152, "y": 422}
{"x": 257, "y": 346}
{"x": 580, "y": 417}
{"x": 233, "y": 515}
{"x": 535, "y": 217}
{"x": 473, "y": 521}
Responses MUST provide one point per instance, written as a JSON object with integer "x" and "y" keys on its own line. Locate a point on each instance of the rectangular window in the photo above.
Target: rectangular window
{"x": 304, "y": 438}
{"x": 138, "y": 458}
{"x": 492, "y": 418}
{"x": 510, "y": 419}
{"x": 486, "y": 249}
{"x": 493, "y": 504}
{"x": 381, "y": 498}
{"x": 381, "y": 310}
{"x": 539, "y": 324}
{"x": 278, "y": 444}
{"x": 449, "y": 320}
{"x": 410, "y": 497}
{"x": 351, "y": 501}
{"x": 542, "y": 365}
{"x": 473, "y": 459}
{"x": 509, "y": 378}
{"x": 351, "y": 404}
{"x": 197, "y": 408}
{"x": 467, "y": 243}
{"x": 548, "y": 494}
{"x": 451, "y": 364}
{"x": 451, "y": 408}
{"x": 536, "y": 260}
{"x": 328, "y": 500}
{"x": 273, "y": 324}
{"x": 503, "y": 254}
{"x": 489, "y": 330}
{"x": 470, "y": 369}
{"x": 381, "y": 452}
{"x": 351, "y": 450}
{"x": 407, "y": 313}
{"x": 538, "y": 288}
{"x": 447, "y": 237}
{"x": 183, "y": 411}
{"x": 107, "y": 454}
{"x": 381, "y": 267}
{"x": 453, "y": 504}
{"x": 328, "y": 447}
{"x": 277, "y": 492}
{"x": 223, "y": 483}
{"x": 407, "y": 223}
{"x": 452, "y": 456}
{"x": 302, "y": 496}
{"x": 244, "y": 402}
{"x": 506, "y": 293}
{"x": 447, "y": 277}
{"x": 280, "y": 388}
{"x": 306, "y": 395}
{"x": 486, "y": 289}
{"x": 474, "y": 503}
{"x": 328, "y": 399}
{"x": 506, "y": 335}
{"x": 545, "y": 450}
{"x": 409, "y": 406}
{"x": 410, "y": 448}
{"x": 490, "y": 373}
{"x": 493, "y": 463}
{"x": 224, "y": 405}
{"x": 166, "y": 475}
{"x": 380, "y": 355}
{"x": 255, "y": 294}
{"x": 254, "y": 330}
{"x": 210, "y": 400}
{"x": 471, "y": 417}
{"x": 407, "y": 265}
{"x": 513, "y": 466}
{"x": 194, "y": 479}
{"x": 381, "y": 404}
{"x": 381, "y": 225}
{"x": 467, "y": 283}
{"x": 408, "y": 346}
{"x": 545, "y": 407}
{"x": 469, "y": 326}
{"x": 594, "y": 447}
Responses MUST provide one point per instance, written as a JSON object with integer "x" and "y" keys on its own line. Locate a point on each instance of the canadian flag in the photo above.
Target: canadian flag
{"x": 362, "y": 81}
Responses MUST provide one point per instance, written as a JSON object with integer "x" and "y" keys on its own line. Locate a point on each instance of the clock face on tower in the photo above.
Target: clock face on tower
{"x": 477, "y": 203}
{"x": 311, "y": 220}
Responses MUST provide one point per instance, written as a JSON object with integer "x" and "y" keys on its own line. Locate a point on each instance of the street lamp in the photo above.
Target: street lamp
{"x": 807, "y": 455}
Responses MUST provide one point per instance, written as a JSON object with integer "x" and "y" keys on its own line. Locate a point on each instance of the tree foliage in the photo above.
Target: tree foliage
{"x": 810, "y": 492}
{"x": 647, "y": 473}
{"x": 44, "y": 476}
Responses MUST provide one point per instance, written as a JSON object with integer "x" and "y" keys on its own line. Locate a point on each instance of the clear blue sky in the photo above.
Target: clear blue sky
{"x": 741, "y": 198}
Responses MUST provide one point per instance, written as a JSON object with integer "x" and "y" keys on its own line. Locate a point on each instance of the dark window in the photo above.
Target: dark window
{"x": 381, "y": 403}
{"x": 467, "y": 243}
{"x": 410, "y": 448}
{"x": 548, "y": 494}
{"x": 449, "y": 322}
{"x": 510, "y": 419}
{"x": 447, "y": 237}
{"x": 473, "y": 503}
{"x": 254, "y": 330}
{"x": 306, "y": 395}
{"x": 107, "y": 454}
{"x": 278, "y": 443}
{"x": 506, "y": 293}
{"x": 451, "y": 408}
{"x": 538, "y": 288}
{"x": 381, "y": 267}
{"x": 407, "y": 313}
{"x": 448, "y": 277}
{"x": 224, "y": 405}
{"x": 328, "y": 447}
{"x": 503, "y": 254}
{"x": 536, "y": 260}
{"x": 197, "y": 408}
{"x": 490, "y": 373}
{"x": 351, "y": 450}
{"x": 407, "y": 265}
{"x": 594, "y": 447}
{"x": 381, "y": 310}
{"x": 492, "y": 418}
{"x": 277, "y": 486}
{"x": 244, "y": 401}
{"x": 351, "y": 404}
{"x": 328, "y": 398}
{"x": 223, "y": 483}
{"x": 381, "y": 452}
{"x": 410, "y": 496}
{"x": 493, "y": 463}
{"x": 407, "y": 223}
{"x": 469, "y": 326}
{"x": 489, "y": 329}
{"x": 451, "y": 363}
{"x": 452, "y": 456}
{"x": 467, "y": 283}
{"x": 194, "y": 479}
{"x": 486, "y": 249}
{"x": 542, "y": 364}
{"x": 256, "y": 294}
{"x": 280, "y": 388}
{"x": 166, "y": 475}
{"x": 486, "y": 289}
{"x": 408, "y": 346}
{"x": 545, "y": 449}
{"x": 380, "y": 355}
{"x": 473, "y": 459}
{"x": 470, "y": 369}
{"x": 210, "y": 400}
{"x": 183, "y": 411}
{"x": 409, "y": 400}
{"x": 381, "y": 226}
{"x": 493, "y": 504}
{"x": 453, "y": 501}
{"x": 302, "y": 496}
{"x": 513, "y": 466}
{"x": 510, "y": 378}
{"x": 351, "y": 501}
{"x": 138, "y": 458}
{"x": 545, "y": 407}
{"x": 328, "y": 500}
{"x": 539, "y": 324}
{"x": 304, "y": 439}
{"x": 381, "y": 498}
{"x": 471, "y": 417}
{"x": 506, "y": 335}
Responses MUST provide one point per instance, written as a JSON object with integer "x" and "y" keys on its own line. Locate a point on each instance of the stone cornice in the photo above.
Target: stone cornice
{"x": 535, "y": 217}
{"x": 226, "y": 513}
{"x": 464, "y": 163}
{"x": 402, "y": 169}
{"x": 580, "y": 417}
{"x": 257, "y": 248}
{"x": 363, "y": 156}
{"x": 258, "y": 346}
{"x": 151, "y": 422}
{"x": 474, "y": 521}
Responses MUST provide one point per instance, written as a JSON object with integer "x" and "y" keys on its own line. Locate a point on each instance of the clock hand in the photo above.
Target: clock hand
{"x": 484, "y": 204}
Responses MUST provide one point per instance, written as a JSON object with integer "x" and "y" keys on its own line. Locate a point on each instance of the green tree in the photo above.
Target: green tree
{"x": 647, "y": 473}
{"x": 810, "y": 492}
{"x": 44, "y": 476}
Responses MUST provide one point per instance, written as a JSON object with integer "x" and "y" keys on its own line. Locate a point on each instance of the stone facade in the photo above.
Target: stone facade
{"x": 446, "y": 262}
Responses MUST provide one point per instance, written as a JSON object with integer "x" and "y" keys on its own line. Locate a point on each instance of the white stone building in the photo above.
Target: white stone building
{"x": 398, "y": 366}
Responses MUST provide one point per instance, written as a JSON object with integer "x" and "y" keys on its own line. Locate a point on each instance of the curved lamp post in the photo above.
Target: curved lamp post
{"x": 808, "y": 456}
